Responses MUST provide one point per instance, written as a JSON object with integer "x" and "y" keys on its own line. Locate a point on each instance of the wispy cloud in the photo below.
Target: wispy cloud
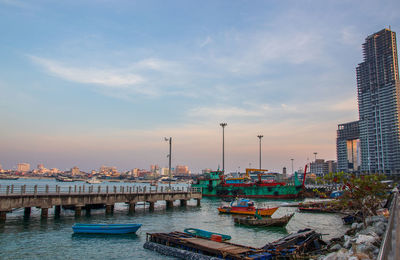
{"x": 111, "y": 78}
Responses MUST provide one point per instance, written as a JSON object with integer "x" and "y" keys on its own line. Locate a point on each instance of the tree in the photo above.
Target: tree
{"x": 364, "y": 193}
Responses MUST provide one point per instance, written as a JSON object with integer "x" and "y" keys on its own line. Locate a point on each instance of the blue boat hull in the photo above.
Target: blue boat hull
{"x": 105, "y": 228}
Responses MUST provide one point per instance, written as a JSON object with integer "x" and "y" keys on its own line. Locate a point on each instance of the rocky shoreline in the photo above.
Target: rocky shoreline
{"x": 359, "y": 242}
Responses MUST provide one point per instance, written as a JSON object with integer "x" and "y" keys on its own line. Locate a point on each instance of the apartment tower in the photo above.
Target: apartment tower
{"x": 378, "y": 90}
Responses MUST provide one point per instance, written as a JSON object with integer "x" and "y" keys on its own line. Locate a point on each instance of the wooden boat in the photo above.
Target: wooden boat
{"x": 246, "y": 207}
{"x": 264, "y": 222}
{"x": 205, "y": 234}
{"x": 93, "y": 180}
{"x": 316, "y": 210}
{"x": 105, "y": 228}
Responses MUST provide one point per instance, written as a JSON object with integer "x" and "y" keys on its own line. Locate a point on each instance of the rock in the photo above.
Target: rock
{"x": 354, "y": 225}
{"x": 342, "y": 254}
{"x": 336, "y": 247}
{"x": 360, "y": 225}
{"x": 379, "y": 228}
{"x": 366, "y": 239}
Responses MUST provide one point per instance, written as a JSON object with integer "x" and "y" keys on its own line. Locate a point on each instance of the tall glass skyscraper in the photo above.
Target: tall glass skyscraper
{"x": 378, "y": 89}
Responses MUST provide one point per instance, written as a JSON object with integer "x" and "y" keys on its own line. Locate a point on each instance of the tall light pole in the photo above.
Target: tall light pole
{"x": 223, "y": 145}
{"x": 292, "y": 165}
{"x": 169, "y": 157}
{"x": 259, "y": 137}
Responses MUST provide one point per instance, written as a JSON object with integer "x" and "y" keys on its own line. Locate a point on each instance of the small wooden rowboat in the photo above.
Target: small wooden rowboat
{"x": 205, "y": 234}
{"x": 105, "y": 228}
{"x": 264, "y": 222}
{"x": 246, "y": 207}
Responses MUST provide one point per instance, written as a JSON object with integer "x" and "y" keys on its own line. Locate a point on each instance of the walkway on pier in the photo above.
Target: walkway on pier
{"x": 78, "y": 197}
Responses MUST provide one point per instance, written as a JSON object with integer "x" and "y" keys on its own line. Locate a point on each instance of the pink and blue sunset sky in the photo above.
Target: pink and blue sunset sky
{"x": 91, "y": 83}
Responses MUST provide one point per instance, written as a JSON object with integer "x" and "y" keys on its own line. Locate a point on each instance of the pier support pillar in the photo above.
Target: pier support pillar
{"x": 3, "y": 216}
{"x": 109, "y": 209}
{"x": 198, "y": 202}
{"x": 78, "y": 211}
{"x": 183, "y": 203}
{"x": 151, "y": 206}
{"x": 45, "y": 213}
{"x": 57, "y": 210}
{"x": 170, "y": 204}
{"x": 132, "y": 207}
{"x": 27, "y": 212}
{"x": 88, "y": 210}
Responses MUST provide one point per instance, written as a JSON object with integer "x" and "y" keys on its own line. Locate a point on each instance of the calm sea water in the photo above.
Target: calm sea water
{"x": 53, "y": 238}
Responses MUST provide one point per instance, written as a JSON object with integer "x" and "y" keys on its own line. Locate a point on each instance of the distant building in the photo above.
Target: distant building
{"x": 284, "y": 174}
{"x": 181, "y": 170}
{"x": 164, "y": 172}
{"x": 348, "y": 147}
{"x": 23, "y": 167}
{"x": 378, "y": 89}
{"x": 206, "y": 171}
{"x": 320, "y": 167}
{"x": 106, "y": 170}
{"x": 1, "y": 167}
{"x": 75, "y": 171}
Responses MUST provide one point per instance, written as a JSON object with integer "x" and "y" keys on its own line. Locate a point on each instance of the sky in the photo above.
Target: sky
{"x": 90, "y": 83}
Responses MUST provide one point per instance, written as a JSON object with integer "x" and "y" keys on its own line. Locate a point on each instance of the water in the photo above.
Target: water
{"x": 53, "y": 239}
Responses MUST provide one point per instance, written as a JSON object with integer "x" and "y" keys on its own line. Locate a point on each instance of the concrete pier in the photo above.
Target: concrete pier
{"x": 12, "y": 197}
{"x": 57, "y": 210}
{"x": 169, "y": 204}
{"x": 132, "y": 207}
{"x": 78, "y": 211}
{"x": 3, "y": 216}
{"x": 27, "y": 212}
{"x": 109, "y": 209}
{"x": 151, "y": 206}
{"x": 198, "y": 202}
{"x": 44, "y": 213}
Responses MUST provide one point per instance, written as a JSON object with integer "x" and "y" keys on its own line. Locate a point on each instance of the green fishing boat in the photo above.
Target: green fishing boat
{"x": 214, "y": 184}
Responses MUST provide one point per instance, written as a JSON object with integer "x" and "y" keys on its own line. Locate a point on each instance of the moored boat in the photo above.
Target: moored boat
{"x": 105, "y": 228}
{"x": 246, "y": 207}
{"x": 93, "y": 180}
{"x": 264, "y": 222}
{"x": 214, "y": 184}
{"x": 205, "y": 234}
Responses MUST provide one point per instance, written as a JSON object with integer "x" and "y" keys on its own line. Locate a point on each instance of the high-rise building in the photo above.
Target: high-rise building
{"x": 378, "y": 90}
{"x": 348, "y": 147}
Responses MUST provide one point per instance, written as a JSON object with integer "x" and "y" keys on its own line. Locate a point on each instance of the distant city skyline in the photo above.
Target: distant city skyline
{"x": 96, "y": 83}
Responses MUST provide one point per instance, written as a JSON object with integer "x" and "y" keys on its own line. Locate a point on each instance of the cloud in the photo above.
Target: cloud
{"x": 110, "y": 78}
{"x": 207, "y": 41}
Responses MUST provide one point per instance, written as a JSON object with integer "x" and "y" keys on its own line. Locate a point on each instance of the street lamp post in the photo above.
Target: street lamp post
{"x": 223, "y": 145}
{"x": 259, "y": 137}
{"x": 169, "y": 159}
{"x": 292, "y": 165}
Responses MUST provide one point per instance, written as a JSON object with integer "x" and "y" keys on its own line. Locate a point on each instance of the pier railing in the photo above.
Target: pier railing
{"x": 390, "y": 247}
{"x": 9, "y": 190}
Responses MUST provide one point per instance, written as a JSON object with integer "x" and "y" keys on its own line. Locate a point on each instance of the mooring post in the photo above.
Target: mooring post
{"x": 75, "y": 188}
{"x": 47, "y": 188}
{"x": 69, "y": 189}
{"x": 98, "y": 189}
{"x": 35, "y": 190}
{"x": 12, "y": 188}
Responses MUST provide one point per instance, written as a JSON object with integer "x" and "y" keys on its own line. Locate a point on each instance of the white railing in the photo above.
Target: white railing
{"x": 88, "y": 189}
